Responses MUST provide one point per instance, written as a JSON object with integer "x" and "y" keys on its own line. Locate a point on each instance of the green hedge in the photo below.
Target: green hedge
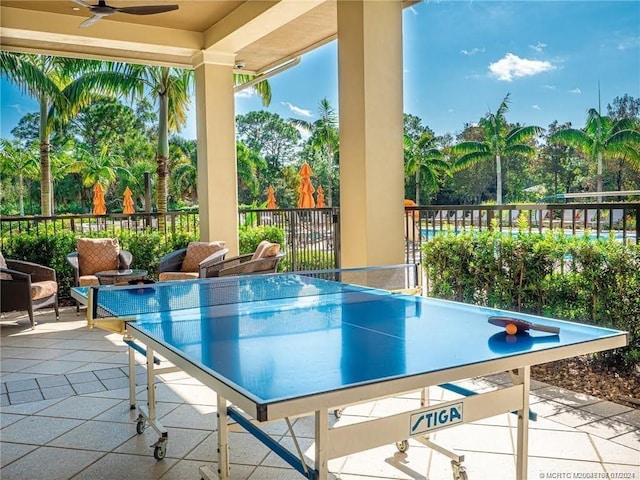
{"x": 574, "y": 278}
{"x": 147, "y": 248}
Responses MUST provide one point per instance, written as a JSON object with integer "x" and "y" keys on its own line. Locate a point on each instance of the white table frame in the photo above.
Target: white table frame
{"x": 334, "y": 442}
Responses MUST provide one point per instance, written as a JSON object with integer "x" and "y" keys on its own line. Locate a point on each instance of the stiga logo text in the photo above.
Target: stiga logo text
{"x": 435, "y": 418}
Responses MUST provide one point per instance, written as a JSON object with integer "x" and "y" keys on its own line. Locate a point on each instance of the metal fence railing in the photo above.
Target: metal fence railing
{"x": 598, "y": 220}
{"x": 312, "y": 236}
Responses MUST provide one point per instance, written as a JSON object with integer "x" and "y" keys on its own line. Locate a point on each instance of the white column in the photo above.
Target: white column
{"x": 217, "y": 175}
{"x": 371, "y": 129}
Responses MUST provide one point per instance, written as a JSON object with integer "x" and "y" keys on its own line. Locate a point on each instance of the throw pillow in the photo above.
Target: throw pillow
{"x": 197, "y": 252}
{"x": 97, "y": 254}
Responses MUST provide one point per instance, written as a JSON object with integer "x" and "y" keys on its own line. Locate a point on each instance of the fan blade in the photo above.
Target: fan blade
{"x": 147, "y": 9}
{"x": 82, "y": 3}
{"x": 90, "y": 21}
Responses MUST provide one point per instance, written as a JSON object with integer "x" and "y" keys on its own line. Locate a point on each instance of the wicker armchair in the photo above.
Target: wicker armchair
{"x": 124, "y": 261}
{"x": 27, "y": 286}
{"x": 191, "y": 262}
{"x": 264, "y": 260}
{"x": 95, "y": 255}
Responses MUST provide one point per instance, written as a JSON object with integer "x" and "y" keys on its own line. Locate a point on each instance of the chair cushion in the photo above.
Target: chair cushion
{"x": 88, "y": 281}
{"x": 166, "y": 276}
{"x": 3, "y": 264}
{"x": 197, "y": 252}
{"x": 97, "y": 254}
{"x": 271, "y": 250}
{"x": 266, "y": 249}
{"x": 43, "y": 289}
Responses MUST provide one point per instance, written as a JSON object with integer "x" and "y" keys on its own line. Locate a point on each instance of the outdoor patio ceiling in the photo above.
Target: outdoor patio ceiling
{"x": 261, "y": 34}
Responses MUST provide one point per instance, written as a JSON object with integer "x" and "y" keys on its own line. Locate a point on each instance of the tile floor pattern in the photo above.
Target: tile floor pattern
{"x": 65, "y": 415}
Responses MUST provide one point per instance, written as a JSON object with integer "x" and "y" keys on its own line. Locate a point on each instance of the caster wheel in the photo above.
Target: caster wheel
{"x": 459, "y": 472}
{"x": 140, "y": 427}
{"x": 159, "y": 452}
{"x": 337, "y": 413}
{"x": 402, "y": 446}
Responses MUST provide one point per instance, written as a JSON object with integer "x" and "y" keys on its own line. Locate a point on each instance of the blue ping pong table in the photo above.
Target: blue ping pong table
{"x": 274, "y": 347}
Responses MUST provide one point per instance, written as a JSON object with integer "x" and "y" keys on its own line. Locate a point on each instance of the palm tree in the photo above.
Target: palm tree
{"x": 20, "y": 160}
{"x": 498, "y": 142}
{"x": 172, "y": 87}
{"x": 425, "y": 161}
{"x": 184, "y": 167}
{"x": 325, "y": 137}
{"x": 62, "y": 86}
{"x": 102, "y": 168}
{"x": 601, "y": 137}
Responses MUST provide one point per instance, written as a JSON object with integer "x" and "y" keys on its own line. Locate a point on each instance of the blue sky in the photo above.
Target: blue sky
{"x": 462, "y": 57}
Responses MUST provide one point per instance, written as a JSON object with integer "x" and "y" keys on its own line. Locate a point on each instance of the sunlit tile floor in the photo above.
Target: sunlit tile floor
{"x": 65, "y": 415}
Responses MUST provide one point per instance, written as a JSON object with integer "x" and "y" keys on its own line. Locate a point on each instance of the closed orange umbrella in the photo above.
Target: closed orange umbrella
{"x": 99, "y": 205}
{"x": 411, "y": 203}
{"x": 320, "y": 198}
{"x": 306, "y": 189}
{"x": 128, "y": 202}
{"x": 271, "y": 197}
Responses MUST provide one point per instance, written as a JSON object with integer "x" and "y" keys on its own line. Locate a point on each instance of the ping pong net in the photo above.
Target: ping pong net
{"x": 401, "y": 278}
{"x": 129, "y": 301}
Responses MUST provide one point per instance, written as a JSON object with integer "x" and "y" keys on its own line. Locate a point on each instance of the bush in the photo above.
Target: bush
{"x": 573, "y": 278}
{"x": 307, "y": 260}
{"x": 50, "y": 248}
{"x": 250, "y": 237}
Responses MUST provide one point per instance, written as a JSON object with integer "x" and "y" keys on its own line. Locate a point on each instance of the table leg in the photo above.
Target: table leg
{"x": 523, "y": 377}
{"x": 322, "y": 429}
{"x": 151, "y": 385}
{"x": 132, "y": 378}
{"x": 223, "y": 439}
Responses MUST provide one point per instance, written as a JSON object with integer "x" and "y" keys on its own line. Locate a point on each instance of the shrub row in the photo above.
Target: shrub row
{"x": 147, "y": 248}
{"x": 572, "y": 278}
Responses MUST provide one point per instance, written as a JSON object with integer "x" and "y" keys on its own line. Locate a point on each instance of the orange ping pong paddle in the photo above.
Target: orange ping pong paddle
{"x": 521, "y": 325}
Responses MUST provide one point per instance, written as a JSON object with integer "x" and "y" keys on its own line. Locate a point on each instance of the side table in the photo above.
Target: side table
{"x": 120, "y": 277}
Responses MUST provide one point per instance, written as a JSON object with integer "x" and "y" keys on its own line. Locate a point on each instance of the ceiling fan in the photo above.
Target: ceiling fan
{"x": 103, "y": 10}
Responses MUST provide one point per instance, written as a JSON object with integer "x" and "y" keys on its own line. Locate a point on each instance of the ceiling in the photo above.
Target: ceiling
{"x": 260, "y": 34}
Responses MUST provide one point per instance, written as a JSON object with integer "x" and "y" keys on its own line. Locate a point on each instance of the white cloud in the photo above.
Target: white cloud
{"x": 301, "y": 112}
{"x": 511, "y": 66}
{"x": 473, "y": 51}
{"x": 549, "y": 87}
{"x": 246, "y": 93}
{"x": 535, "y": 107}
{"x": 18, "y": 108}
{"x": 539, "y": 47}
{"x": 631, "y": 42}
{"x": 577, "y": 91}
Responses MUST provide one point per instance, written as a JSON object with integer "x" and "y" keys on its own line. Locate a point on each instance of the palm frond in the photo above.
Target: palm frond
{"x": 521, "y": 149}
{"x": 523, "y": 134}
{"x": 470, "y": 159}
{"x": 465, "y": 148}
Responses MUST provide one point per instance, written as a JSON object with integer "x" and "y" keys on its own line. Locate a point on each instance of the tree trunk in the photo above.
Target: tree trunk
{"x": 329, "y": 187}
{"x": 21, "y": 188}
{"x": 498, "y": 180}
{"x": 162, "y": 161}
{"x": 418, "y": 185}
{"x": 45, "y": 165}
{"x": 599, "y": 178}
